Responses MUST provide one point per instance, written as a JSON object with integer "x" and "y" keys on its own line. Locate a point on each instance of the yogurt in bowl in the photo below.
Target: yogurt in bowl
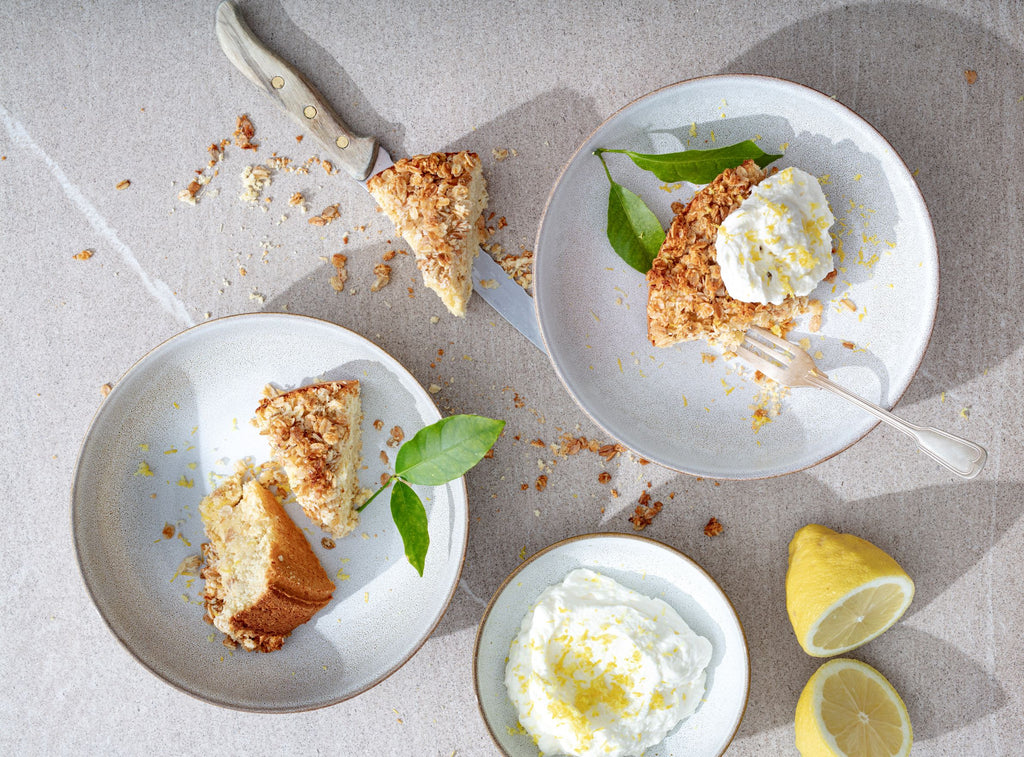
{"x": 599, "y": 669}
{"x": 598, "y": 678}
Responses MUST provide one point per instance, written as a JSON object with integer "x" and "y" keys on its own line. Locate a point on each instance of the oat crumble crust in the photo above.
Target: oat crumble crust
{"x": 314, "y": 434}
{"x": 436, "y": 203}
{"x": 687, "y": 298}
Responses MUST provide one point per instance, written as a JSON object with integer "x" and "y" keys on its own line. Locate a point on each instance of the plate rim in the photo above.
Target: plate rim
{"x": 774, "y": 80}
{"x": 74, "y": 521}
{"x": 586, "y": 537}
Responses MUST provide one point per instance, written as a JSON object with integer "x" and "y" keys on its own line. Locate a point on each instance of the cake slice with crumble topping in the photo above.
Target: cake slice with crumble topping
{"x": 314, "y": 433}
{"x": 436, "y": 203}
{"x": 687, "y": 298}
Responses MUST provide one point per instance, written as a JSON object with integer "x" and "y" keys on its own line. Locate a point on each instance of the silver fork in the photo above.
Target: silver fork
{"x": 790, "y": 365}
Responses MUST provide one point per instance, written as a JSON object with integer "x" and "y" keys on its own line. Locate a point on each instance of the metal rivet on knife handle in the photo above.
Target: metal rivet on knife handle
{"x": 309, "y": 111}
{"x": 341, "y": 141}
{"x": 277, "y": 82}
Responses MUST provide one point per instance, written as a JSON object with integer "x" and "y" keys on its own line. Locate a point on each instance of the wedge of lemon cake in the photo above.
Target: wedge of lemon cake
{"x": 314, "y": 433}
{"x": 262, "y": 578}
{"x": 687, "y": 297}
{"x": 436, "y": 203}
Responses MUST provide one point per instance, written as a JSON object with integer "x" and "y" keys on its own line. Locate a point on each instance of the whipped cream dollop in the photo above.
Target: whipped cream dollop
{"x": 776, "y": 243}
{"x": 599, "y": 669}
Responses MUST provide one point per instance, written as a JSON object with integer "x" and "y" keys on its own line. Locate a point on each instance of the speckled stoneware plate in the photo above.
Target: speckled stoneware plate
{"x": 182, "y": 414}
{"x": 650, "y": 568}
{"x": 674, "y": 405}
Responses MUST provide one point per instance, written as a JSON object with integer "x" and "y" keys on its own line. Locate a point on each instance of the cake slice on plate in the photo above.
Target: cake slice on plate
{"x": 315, "y": 435}
{"x": 436, "y": 203}
{"x": 687, "y": 298}
{"x": 262, "y": 578}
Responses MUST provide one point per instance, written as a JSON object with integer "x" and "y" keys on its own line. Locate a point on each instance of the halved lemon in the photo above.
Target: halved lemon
{"x": 848, "y": 709}
{"x": 842, "y": 591}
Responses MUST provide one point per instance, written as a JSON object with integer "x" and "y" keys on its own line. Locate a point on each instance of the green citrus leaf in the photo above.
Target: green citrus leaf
{"x": 634, "y": 232}
{"x": 698, "y": 166}
{"x": 411, "y": 518}
{"x": 443, "y": 451}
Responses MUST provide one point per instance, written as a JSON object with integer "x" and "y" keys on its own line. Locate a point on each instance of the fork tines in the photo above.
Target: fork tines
{"x": 772, "y": 358}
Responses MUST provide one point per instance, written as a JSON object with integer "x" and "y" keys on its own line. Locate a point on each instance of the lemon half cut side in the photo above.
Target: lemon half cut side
{"x": 860, "y": 616}
{"x": 849, "y": 709}
{"x": 842, "y": 591}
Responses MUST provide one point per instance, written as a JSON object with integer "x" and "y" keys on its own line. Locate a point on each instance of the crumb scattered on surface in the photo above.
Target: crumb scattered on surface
{"x": 604, "y": 477}
{"x": 244, "y": 132}
{"x": 499, "y": 153}
{"x": 971, "y": 75}
{"x": 383, "y": 273}
{"x": 123, "y": 184}
{"x": 168, "y": 531}
{"x": 644, "y": 513}
{"x": 713, "y": 527}
{"x": 340, "y": 272}
{"x": 255, "y": 179}
{"x": 106, "y": 389}
{"x": 542, "y": 482}
{"x": 328, "y": 215}
{"x": 83, "y": 255}
{"x": 327, "y": 542}
{"x": 298, "y": 201}
{"x": 378, "y": 424}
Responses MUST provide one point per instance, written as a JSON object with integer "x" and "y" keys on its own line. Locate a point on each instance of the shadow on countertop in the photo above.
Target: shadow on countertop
{"x": 958, "y": 151}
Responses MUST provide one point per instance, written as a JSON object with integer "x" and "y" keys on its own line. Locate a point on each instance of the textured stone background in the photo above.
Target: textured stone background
{"x": 93, "y": 93}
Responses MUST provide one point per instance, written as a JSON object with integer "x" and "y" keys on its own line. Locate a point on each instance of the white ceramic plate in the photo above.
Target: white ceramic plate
{"x": 667, "y": 404}
{"x": 650, "y": 568}
{"x": 184, "y": 410}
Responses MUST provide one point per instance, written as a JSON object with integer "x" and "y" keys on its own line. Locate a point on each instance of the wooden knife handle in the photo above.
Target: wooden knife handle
{"x": 297, "y": 97}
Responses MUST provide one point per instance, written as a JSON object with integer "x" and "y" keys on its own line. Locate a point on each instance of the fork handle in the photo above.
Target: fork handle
{"x": 963, "y": 457}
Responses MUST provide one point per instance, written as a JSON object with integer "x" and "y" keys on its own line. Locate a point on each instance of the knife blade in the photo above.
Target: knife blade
{"x": 360, "y": 157}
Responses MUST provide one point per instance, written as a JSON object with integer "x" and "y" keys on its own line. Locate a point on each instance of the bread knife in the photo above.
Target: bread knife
{"x": 360, "y": 157}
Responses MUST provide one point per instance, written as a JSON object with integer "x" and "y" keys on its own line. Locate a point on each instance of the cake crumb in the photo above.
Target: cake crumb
{"x": 712, "y": 528}
{"x": 378, "y": 424}
{"x": 328, "y": 215}
{"x": 340, "y": 276}
{"x": 383, "y": 273}
{"x": 83, "y": 255}
{"x": 397, "y": 435}
{"x": 123, "y": 184}
{"x": 244, "y": 132}
{"x": 105, "y": 389}
{"x": 168, "y": 531}
{"x": 519, "y": 267}
{"x": 971, "y": 75}
{"x": 255, "y": 179}
{"x": 542, "y": 482}
{"x": 644, "y": 514}
{"x": 327, "y": 542}
{"x": 604, "y": 477}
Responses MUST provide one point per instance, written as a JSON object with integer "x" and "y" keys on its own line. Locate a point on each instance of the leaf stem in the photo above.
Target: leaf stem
{"x": 373, "y": 496}
{"x": 607, "y": 173}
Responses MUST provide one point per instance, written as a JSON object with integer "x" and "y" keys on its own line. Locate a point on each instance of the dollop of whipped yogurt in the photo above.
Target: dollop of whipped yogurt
{"x": 776, "y": 243}
{"x": 600, "y": 669}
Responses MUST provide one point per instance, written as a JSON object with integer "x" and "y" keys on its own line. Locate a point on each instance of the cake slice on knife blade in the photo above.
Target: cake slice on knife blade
{"x": 436, "y": 201}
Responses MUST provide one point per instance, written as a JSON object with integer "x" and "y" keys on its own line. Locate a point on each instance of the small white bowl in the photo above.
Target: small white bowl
{"x": 650, "y": 568}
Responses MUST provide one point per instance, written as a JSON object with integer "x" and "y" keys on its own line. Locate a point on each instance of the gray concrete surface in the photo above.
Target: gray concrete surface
{"x": 94, "y": 93}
